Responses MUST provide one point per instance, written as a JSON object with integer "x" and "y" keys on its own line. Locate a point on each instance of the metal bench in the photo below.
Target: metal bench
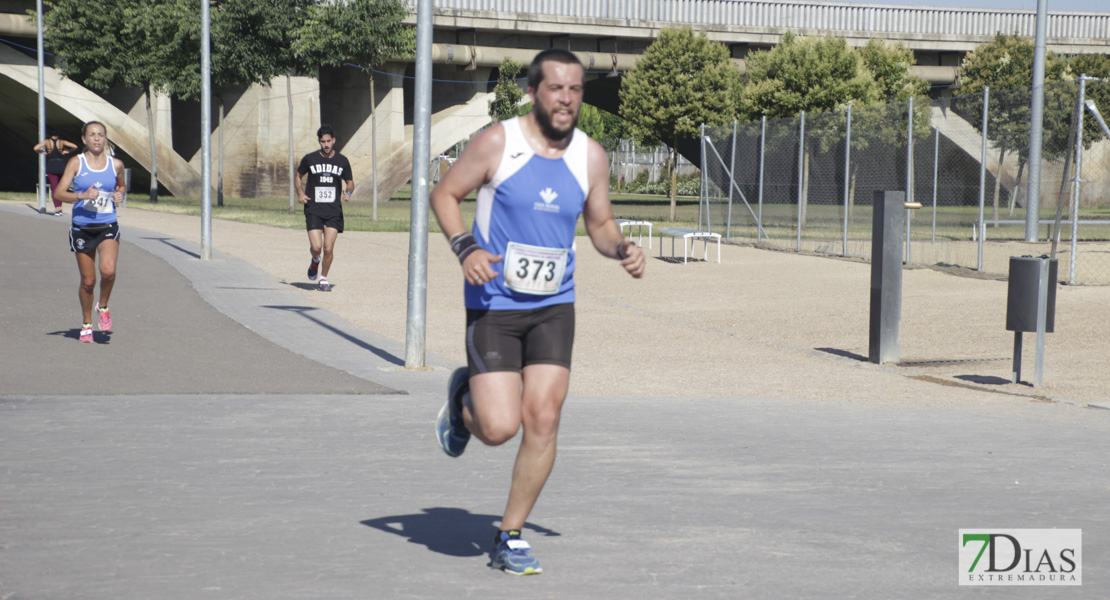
{"x": 689, "y": 234}
{"x": 629, "y": 223}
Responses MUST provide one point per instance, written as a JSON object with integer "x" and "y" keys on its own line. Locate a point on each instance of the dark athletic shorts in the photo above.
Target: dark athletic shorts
{"x": 317, "y": 222}
{"x": 509, "y": 340}
{"x": 85, "y": 238}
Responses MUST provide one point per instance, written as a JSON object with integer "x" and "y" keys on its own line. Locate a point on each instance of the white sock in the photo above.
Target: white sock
{"x": 315, "y": 260}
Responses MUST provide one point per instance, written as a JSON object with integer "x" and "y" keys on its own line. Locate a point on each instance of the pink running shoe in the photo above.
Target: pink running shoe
{"x": 86, "y": 332}
{"x": 104, "y": 317}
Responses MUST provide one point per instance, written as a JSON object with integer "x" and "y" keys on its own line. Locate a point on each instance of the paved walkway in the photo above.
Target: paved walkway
{"x": 229, "y": 441}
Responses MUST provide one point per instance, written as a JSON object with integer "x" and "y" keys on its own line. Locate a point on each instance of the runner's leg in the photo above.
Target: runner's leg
{"x": 109, "y": 252}
{"x": 330, "y": 233}
{"x": 495, "y": 413}
{"x": 86, "y": 266}
{"x": 315, "y": 241}
{"x": 545, "y": 389}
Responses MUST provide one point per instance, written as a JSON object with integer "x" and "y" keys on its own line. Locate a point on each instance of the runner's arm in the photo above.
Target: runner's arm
{"x": 121, "y": 181}
{"x": 474, "y": 167}
{"x": 350, "y": 188}
{"x": 300, "y": 189}
{"x": 598, "y": 216}
{"x": 62, "y": 193}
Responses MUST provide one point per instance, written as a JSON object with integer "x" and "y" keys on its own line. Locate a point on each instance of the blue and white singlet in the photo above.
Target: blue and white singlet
{"x": 528, "y": 214}
{"x": 102, "y": 210}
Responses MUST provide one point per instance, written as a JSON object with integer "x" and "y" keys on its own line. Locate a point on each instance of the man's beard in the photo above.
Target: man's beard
{"x": 543, "y": 117}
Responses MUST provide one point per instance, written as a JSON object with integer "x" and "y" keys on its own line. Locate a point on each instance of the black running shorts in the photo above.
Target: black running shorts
{"x": 313, "y": 221}
{"x": 84, "y": 239}
{"x": 509, "y": 340}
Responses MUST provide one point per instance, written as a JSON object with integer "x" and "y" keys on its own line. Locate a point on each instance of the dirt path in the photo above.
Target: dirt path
{"x": 761, "y": 323}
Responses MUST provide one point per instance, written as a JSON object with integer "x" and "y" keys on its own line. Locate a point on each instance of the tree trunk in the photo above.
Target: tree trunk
{"x": 153, "y": 146}
{"x": 998, "y": 182}
{"x": 1017, "y": 189}
{"x": 674, "y": 177}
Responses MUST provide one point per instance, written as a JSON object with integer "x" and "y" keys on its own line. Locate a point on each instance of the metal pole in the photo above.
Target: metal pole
{"x": 909, "y": 176}
{"x": 41, "y": 187}
{"x": 373, "y": 149}
{"x": 1042, "y": 316}
{"x": 801, "y": 172}
{"x": 704, "y": 187}
{"x": 415, "y": 329}
{"x": 847, "y": 176}
{"x": 732, "y": 182}
{"x": 762, "y": 155}
{"x": 1036, "y": 128}
{"x": 1076, "y": 179}
{"x": 292, "y": 165}
{"x": 936, "y": 156}
{"x": 982, "y": 179}
{"x": 888, "y": 209}
{"x": 205, "y": 136}
{"x": 220, "y": 149}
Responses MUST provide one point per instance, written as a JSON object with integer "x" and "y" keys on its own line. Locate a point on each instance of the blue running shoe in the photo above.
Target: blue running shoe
{"x": 511, "y": 554}
{"x": 313, "y": 268}
{"x": 451, "y": 431}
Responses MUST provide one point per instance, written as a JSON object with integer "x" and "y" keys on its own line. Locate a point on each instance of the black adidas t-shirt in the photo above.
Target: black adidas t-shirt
{"x": 323, "y": 182}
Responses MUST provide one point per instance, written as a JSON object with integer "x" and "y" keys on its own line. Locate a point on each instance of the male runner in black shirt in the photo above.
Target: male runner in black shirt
{"x": 323, "y": 214}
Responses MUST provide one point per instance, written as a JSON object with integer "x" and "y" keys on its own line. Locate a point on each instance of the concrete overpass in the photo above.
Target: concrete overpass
{"x": 472, "y": 37}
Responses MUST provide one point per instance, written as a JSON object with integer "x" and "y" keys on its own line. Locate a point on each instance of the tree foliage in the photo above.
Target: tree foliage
{"x": 1005, "y": 65}
{"x": 601, "y": 125}
{"x": 812, "y": 74}
{"x": 365, "y": 32}
{"x": 507, "y": 94}
{"x": 682, "y": 81}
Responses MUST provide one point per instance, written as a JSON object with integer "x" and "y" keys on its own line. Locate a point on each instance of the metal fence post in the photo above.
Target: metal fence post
{"x": 979, "y": 226}
{"x": 1076, "y": 180}
{"x": 801, "y": 172}
{"x": 704, "y": 191}
{"x": 909, "y": 176}
{"x": 762, "y": 155}
{"x": 888, "y": 210}
{"x": 936, "y": 165}
{"x": 731, "y": 182}
{"x": 847, "y": 171}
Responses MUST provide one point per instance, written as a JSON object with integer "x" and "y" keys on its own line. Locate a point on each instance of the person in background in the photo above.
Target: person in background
{"x": 55, "y": 150}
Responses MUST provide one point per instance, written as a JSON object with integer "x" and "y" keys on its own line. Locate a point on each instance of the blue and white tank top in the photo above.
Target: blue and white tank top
{"x": 528, "y": 214}
{"x": 101, "y": 210}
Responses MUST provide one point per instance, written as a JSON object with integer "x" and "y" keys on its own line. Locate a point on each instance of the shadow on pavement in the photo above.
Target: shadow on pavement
{"x": 169, "y": 242}
{"x": 450, "y": 531}
{"x": 304, "y": 310}
{"x": 844, "y": 353}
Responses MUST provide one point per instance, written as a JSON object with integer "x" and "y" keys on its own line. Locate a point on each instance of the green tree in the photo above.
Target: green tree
{"x": 1005, "y": 65}
{"x": 364, "y": 32}
{"x": 601, "y": 125}
{"x": 507, "y": 94}
{"x": 128, "y": 43}
{"x": 816, "y": 75}
{"x": 682, "y": 81}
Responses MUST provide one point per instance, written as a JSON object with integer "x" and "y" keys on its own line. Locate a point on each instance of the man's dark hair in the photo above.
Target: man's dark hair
{"x": 535, "y": 70}
{"x": 324, "y": 130}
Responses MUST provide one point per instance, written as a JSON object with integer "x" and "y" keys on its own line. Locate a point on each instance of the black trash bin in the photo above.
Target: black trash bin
{"x": 1023, "y": 291}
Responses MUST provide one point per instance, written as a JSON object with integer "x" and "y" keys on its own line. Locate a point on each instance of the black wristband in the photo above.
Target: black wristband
{"x": 620, "y": 251}
{"x": 462, "y": 244}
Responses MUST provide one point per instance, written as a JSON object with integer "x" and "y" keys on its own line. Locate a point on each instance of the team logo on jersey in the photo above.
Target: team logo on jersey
{"x": 548, "y": 195}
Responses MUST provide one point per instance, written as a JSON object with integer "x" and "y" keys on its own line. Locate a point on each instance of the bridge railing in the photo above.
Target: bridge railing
{"x": 807, "y": 15}
{"x": 806, "y": 184}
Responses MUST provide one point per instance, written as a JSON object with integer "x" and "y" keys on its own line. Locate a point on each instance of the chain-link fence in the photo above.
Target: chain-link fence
{"x": 806, "y": 183}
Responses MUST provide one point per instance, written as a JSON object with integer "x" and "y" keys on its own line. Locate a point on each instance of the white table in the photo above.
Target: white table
{"x": 689, "y": 235}
{"x": 629, "y": 223}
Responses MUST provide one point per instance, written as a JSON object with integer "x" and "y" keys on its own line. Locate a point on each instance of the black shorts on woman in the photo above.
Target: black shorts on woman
{"x": 85, "y": 238}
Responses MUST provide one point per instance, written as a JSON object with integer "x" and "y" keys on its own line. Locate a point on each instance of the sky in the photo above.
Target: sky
{"x": 1053, "y": 5}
